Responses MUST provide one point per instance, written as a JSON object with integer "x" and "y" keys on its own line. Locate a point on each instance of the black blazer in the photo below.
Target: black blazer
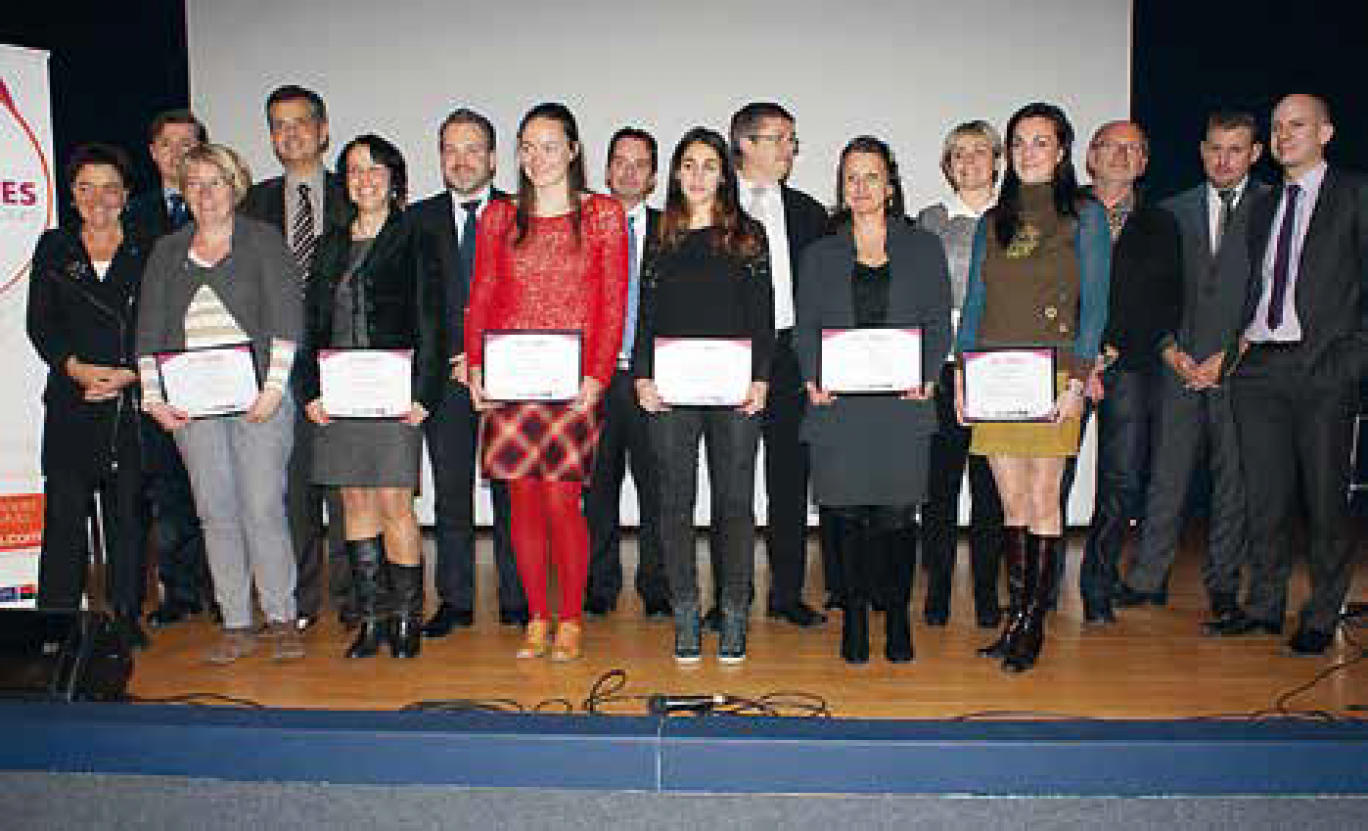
{"x": 1330, "y": 292}
{"x": 146, "y": 215}
{"x": 72, "y": 313}
{"x": 403, "y": 304}
{"x": 805, "y": 220}
{"x": 266, "y": 201}
{"x": 1146, "y": 299}
{"x": 435, "y": 217}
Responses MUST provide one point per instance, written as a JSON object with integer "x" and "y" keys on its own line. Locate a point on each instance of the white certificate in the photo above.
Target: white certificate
{"x": 874, "y": 360}
{"x": 532, "y": 365}
{"x": 214, "y": 381}
{"x": 703, "y": 372}
{"x": 366, "y": 383}
{"x": 1009, "y": 384}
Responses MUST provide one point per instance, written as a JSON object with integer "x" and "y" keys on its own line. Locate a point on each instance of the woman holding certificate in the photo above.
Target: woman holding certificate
{"x": 1029, "y": 336}
{"x": 375, "y": 368}
{"x": 221, "y": 307}
{"x": 872, "y": 332}
{"x": 81, "y": 317}
{"x": 705, "y": 339}
{"x": 542, "y": 334}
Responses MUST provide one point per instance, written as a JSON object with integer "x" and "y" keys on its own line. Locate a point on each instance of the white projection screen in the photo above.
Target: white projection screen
{"x": 903, "y": 71}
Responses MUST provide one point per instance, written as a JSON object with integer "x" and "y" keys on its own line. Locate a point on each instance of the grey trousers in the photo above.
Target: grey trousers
{"x": 1191, "y": 423}
{"x": 238, "y": 472}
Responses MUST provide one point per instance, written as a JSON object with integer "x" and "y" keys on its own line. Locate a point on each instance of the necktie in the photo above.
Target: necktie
{"x": 633, "y": 289}
{"x": 1223, "y": 221}
{"x": 303, "y": 238}
{"x": 176, "y": 212}
{"x": 1282, "y": 257}
{"x": 472, "y": 214}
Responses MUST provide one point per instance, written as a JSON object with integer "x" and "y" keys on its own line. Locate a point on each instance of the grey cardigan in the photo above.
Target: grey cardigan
{"x": 264, "y": 293}
{"x": 919, "y": 295}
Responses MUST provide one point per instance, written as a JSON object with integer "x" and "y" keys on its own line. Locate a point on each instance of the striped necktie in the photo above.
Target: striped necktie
{"x": 303, "y": 237}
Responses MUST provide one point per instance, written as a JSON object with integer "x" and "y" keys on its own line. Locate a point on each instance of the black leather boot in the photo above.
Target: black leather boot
{"x": 900, "y": 549}
{"x": 406, "y": 628}
{"x": 854, "y": 566}
{"x": 1024, "y": 648}
{"x": 1014, "y": 541}
{"x": 367, "y": 558}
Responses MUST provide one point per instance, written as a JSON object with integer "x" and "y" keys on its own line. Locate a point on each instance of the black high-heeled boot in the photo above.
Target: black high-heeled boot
{"x": 1024, "y": 648}
{"x": 900, "y": 549}
{"x": 1014, "y": 542}
{"x": 366, "y": 558}
{"x": 855, "y": 619}
{"x": 406, "y": 625}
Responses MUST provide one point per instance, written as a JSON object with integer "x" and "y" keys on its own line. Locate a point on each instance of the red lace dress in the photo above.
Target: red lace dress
{"x": 551, "y": 281}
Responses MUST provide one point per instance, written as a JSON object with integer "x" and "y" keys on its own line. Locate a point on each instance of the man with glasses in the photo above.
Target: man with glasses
{"x": 1145, "y": 304}
{"x": 303, "y": 203}
{"x": 764, "y": 144}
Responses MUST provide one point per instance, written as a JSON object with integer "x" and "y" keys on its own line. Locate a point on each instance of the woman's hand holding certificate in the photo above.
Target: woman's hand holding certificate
{"x": 1008, "y": 385}
{"x": 215, "y": 381}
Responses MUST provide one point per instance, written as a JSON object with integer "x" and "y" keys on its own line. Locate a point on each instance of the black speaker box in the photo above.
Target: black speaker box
{"x": 48, "y": 655}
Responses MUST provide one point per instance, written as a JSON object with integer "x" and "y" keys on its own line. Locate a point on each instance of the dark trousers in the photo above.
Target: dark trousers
{"x": 174, "y": 525}
{"x": 1295, "y": 429}
{"x": 452, "y": 433}
{"x": 314, "y": 542}
{"x": 1126, "y": 418}
{"x": 69, "y": 515}
{"x": 624, "y": 441}
{"x": 786, "y": 476}
{"x": 940, "y": 514}
{"x": 1193, "y": 426}
{"x": 730, "y": 440}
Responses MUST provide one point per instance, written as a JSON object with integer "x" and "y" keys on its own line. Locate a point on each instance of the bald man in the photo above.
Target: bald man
{"x": 1295, "y": 372}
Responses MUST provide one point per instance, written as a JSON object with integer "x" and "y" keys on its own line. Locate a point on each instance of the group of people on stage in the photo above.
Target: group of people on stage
{"x": 1221, "y": 329}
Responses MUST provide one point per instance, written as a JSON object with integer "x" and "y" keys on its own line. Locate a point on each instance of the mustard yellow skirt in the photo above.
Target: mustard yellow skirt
{"x": 1028, "y": 439}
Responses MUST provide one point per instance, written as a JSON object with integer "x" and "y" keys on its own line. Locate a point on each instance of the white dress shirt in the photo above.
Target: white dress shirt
{"x": 769, "y": 211}
{"x": 1289, "y": 328}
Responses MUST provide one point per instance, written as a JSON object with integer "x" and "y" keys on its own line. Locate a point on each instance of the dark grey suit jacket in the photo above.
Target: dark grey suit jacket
{"x": 265, "y": 201}
{"x": 1330, "y": 290}
{"x": 436, "y": 219}
{"x": 1214, "y": 285}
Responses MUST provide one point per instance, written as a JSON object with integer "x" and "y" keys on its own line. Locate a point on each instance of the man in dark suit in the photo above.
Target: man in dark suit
{"x": 1195, "y": 419}
{"x": 1145, "y": 303}
{"x": 1295, "y": 382}
{"x": 176, "y": 536}
{"x": 304, "y": 203}
{"x": 632, "y": 160}
{"x": 764, "y": 144}
{"x": 466, "y": 144}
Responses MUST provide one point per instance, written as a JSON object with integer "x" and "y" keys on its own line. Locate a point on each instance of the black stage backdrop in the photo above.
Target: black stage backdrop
{"x": 115, "y": 65}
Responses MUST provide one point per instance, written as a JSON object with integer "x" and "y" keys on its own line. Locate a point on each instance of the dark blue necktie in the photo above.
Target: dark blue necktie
{"x": 472, "y": 214}
{"x": 176, "y": 211}
{"x": 1282, "y": 257}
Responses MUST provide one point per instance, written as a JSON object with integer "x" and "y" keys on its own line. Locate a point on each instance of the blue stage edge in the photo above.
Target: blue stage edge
{"x": 716, "y": 754}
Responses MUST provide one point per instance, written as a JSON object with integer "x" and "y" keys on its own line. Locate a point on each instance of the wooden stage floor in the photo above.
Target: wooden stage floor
{"x": 1153, "y": 664}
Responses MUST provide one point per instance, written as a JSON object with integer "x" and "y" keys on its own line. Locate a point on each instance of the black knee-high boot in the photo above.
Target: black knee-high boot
{"x": 1020, "y": 585}
{"x": 854, "y": 538}
{"x": 900, "y": 551}
{"x": 367, "y": 560}
{"x": 1024, "y": 648}
{"x": 406, "y": 629}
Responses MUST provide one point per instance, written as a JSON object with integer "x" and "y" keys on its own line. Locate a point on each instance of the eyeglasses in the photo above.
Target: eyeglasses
{"x": 777, "y": 138}
{"x": 1130, "y": 148}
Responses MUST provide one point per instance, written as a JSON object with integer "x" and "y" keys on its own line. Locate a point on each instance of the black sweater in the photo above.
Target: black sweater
{"x": 695, "y": 291}
{"x": 1146, "y": 300}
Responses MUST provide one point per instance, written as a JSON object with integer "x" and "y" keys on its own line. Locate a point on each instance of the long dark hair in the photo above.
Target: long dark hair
{"x": 895, "y": 208}
{"x": 1007, "y": 214}
{"x": 527, "y": 194}
{"x": 382, "y": 152}
{"x": 736, "y": 233}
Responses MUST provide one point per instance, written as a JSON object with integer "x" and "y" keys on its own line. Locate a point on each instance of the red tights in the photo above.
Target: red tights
{"x": 545, "y": 517}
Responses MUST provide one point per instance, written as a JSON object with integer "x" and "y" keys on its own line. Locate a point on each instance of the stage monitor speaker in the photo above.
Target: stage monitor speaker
{"x": 48, "y": 655}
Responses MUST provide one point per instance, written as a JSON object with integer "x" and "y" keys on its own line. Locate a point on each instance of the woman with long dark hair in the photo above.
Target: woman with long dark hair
{"x": 556, "y": 258}
{"x": 372, "y": 286}
{"x": 1039, "y": 275}
{"x": 706, "y": 274}
{"x": 869, "y": 452}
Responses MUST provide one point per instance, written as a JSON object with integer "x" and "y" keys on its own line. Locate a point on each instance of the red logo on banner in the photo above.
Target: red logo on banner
{"x": 21, "y": 521}
{"x": 25, "y": 185}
